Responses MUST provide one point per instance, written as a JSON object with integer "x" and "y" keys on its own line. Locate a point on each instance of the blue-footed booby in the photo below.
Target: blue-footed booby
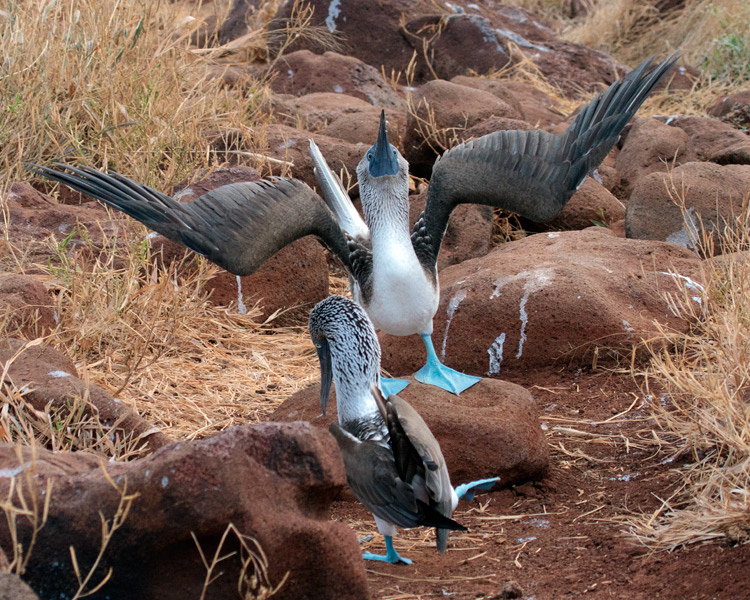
{"x": 393, "y": 463}
{"x": 392, "y": 271}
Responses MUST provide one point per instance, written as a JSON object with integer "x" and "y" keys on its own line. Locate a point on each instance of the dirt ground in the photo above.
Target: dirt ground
{"x": 564, "y": 537}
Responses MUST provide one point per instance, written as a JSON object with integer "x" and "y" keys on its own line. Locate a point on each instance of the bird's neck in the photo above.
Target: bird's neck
{"x": 357, "y": 410}
{"x": 386, "y": 211}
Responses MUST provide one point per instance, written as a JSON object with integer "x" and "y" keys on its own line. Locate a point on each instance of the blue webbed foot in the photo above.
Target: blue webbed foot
{"x": 466, "y": 491}
{"x": 392, "y": 386}
{"x": 391, "y": 555}
{"x": 437, "y": 374}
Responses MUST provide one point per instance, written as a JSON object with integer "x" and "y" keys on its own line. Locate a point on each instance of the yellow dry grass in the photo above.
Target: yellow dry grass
{"x": 116, "y": 84}
{"x": 700, "y": 382}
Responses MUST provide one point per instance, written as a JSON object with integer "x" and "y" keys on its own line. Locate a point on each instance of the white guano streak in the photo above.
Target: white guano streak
{"x": 452, "y": 306}
{"x": 496, "y": 354}
{"x": 241, "y": 308}
{"x": 334, "y": 10}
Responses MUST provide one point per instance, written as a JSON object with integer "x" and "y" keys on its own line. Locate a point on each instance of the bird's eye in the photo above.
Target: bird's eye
{"x": 394, "y": 152}
{"x": 317, "y": 345}
{"x": 369, "y": 156}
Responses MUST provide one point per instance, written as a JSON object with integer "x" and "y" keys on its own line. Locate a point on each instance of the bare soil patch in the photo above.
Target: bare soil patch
{"x": 564, "y": 537}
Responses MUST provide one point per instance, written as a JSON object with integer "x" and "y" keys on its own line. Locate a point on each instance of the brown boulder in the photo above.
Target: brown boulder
{"x": 535, "y": 107}
{"x": 370, "y": 30}
{"x": 490, "y": 126}
{"x": 592, "y": 204}
{"x": 301, "y": 73}
{"x": 490, "y": 430}
{"x": 733, "y": 109}
{"x": 12, "y": 587}
{"x": 457, "y": 44}
{"x": 650, "y": 147}
{"x": 26, "y": 307}
{"x": 711, "y": 193}
{"x": 476, "y": 35}
{"x": 293, "y": 145}
{"x": 361, "y": 127}
{"x": 49, "y": 382}
{"x": 33, "y": 217}
{"x": 709, "y": 136}
{"x": 566, "y": 296}
{"x": 568, "y": 66}
{"x": 313, "y": 112}
{"x": 297, "y": 276}
{"x": 273, "y": 482}
{"x": 441, "y": 109}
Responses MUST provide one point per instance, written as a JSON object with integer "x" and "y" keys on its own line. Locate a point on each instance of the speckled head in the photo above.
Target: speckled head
{"x": 347, "y": 347}
{"x": 383, "y": 176}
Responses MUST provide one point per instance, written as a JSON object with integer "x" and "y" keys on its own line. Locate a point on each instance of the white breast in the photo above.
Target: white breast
{"x": 404, "y": 299}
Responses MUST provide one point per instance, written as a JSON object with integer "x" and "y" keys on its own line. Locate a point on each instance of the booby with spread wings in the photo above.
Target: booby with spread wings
{"x": 393, "y": 271}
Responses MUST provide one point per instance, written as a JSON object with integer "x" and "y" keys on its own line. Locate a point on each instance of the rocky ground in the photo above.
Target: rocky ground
{"x": 552, "y": 319}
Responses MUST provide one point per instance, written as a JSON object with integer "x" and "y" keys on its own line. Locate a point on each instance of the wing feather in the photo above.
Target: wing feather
{"x": 532, "y": 173}
{"x": 237, "y": 226}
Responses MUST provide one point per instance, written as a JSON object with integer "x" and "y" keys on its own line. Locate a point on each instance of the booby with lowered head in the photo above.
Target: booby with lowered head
{"x": 393, "y": 463}
{"x": 393, "y": 272}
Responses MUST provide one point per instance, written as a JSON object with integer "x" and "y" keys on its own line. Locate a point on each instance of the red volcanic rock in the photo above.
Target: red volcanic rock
{"x": 443, "y": 109}
{"x": 49, "y": 380}
{"x": 314, "y": 111}
{"x": 733, "y": 109}
{"x": 712, "y": 194}
{"x": 297, "y": 276}
{"x": 12, "y": 587}
{"x": 569, "y": 66}
{"x": 650, "y": 147}
{"x": 293, "y": 145}
{"x": 500, "y": 419}
{"x": 468, "y": 234}
{"x": 362, "y": 127}
{"x": 709, "y": 136}
{"x": 301, "y": 73}
{"x": 457, "y": 44}
{"x": 26, "y": 306}
{"x": 274, "y": 482}
{"x": 33, "y": 217}
{"x": 490, "y": 126}
{"x": 370, "y": 31}
{"x": 535, "y": 107}
{"x": 592, "y": 204}
{"x": 211, "y": 180}
{"x": 550, "y": 298}
{"x": 476, "y": 36}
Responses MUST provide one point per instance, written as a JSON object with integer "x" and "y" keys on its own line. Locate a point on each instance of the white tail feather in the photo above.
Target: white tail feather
{"x": 336, "y": 197}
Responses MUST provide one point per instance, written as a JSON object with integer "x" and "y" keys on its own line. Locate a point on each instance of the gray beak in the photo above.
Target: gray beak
{"x": 326, "y": 373}
{"x": 384, "y": 160}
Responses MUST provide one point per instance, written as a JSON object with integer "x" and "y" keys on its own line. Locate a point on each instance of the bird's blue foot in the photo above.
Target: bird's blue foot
{"x": 466, "y": 491}
{"x": 391, "y": 555}
{"x": 437, "y": 374}
{"x": 392, "y": 386}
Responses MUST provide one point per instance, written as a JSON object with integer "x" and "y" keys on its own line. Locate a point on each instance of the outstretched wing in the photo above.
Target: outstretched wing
{"x": 237, "y": 226}
{"x": 532, "y": 173}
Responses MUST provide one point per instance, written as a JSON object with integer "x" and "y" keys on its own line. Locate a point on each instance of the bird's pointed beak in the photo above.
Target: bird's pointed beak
{"x": 326, "y": 373}
{"x": 384, "y": 160}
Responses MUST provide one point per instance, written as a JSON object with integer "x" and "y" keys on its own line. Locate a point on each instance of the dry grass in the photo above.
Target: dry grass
{"x": 152, "y": 338}
{"x": 123, "y": 91}
{"x": 126, "y": 92}
{"x": 703, "y": 413}
{"x": 713, "y": 35}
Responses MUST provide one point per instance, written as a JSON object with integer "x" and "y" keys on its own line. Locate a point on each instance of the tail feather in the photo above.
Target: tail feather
{"x": 336, "y": 197}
